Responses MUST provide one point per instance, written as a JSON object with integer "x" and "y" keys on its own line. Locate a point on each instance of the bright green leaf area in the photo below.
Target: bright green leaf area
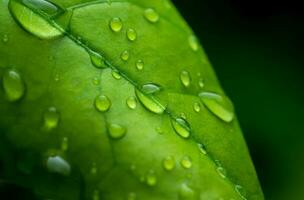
{"x": 100, "y": 127}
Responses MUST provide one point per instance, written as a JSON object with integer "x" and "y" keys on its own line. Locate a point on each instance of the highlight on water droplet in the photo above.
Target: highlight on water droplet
{"x": 116, "y": 131}
{"x": 241, "y": 191}
{"x": 220, "y": 106}
{"x": 115, "y": 24}
{"x": 35, "y": 17}
{"x": 97, "y": 60}
{"x": 65, "y": 144}
{"x": 131, "y": 196}
{"x": 102, "y": 103}
{"x": 116, "y": 74}
{"x": 186, "y": 162}
{"x": 181, "y": 127}
{"x": 185, "y": 78}
{"x": 13, "y": 85}
{"x": 151, "y": 15}
{"x": 131, "y": 34}
{"x": 193, "y": 42}
{"x": 124, "y": 55}
{"x": 169, "y": 163}
{"x": 51, "y": 118}
{"x": 140, "y": 65}
{"x": 196, "y": 107}
{"x": 221, "y": 171}
{"x": 56, "y": 164}
{"x": 186, "y": 193}
{"x": 151, "y": 178}
{"x": 132, "y": 102}
{"x": 202, "y": 148}
{"x": 201, "y": 83}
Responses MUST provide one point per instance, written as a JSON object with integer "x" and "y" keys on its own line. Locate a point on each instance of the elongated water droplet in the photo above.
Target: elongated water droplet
{"x": 131, "y": 102}
{"x": 221, "y": 171}
{"x": 220, "y": 106}
{"x": 5, "y": 38}
{"x": 131, "y": 34}
{"x": 181, "y": 127}
{"x": 241, "y": 191}
{"x": 116, "y": 24}
{"x": 116, "y": 74}
{"x": 196, "y": 107}
{"x": 57, "y": 164}
{"x": 185, "y": 78}
{"x": 151, "y": 15}
{"x": 102, "y": 103}
{"x": 116, "y": 131}
{"x": 140, "y": 65}
{"x": 186, "y": 162}
{"x": 13, "y": 85}
{"x": 147, "y": 99}
{"x": 193, "y": 43}
{"x": 125, "y": 55}
{"x": 51, "y": 118}
{"x": 169, "y": 163}
{"x": 151, "y": 179}
{"x": 201, "y": 83}
{"x": 34, "y": 16}
{"x": 186, "y": 193}
{"x": 131, "y": 196}
{"x": 65, "y": 144}
{"x": 202, "y": 149}
{"x": 95, "y": 195}
{"x": 97, "y": 60}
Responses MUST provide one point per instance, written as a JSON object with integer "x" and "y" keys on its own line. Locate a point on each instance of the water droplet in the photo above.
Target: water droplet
{"x": 125, "y": 55}
{"x": 65, "y": 144}
{"x": 131, "y": 102}
{"x": 140, "y": 65}
{"x": 220, "y": 106}
{"x": 96, "y": 81}
{"x": 13, "y": 85}
{"x": 57, "y": 78}
{"x": 131, "y": 34}
{"x": 202, "y": 149}
{"x": 201, "y": 83}
{"x": 5, "y": 38}
{"x": 95, "y": 195}
{"x": 147, "y": 99}
{"x": 186, "y": 193}
{"x": 97, "y": 60}
{"x": 116, "y": 24}
{"x": 193, "y": 43}
{"x": 169, "y": 163}
{"x": 185, "y": 78}
{"x": 151, "y": 179}
{"x": 93, "y": 169}
{"x": 221, "y": 171}
{"x": 183, "y": 115}
{"x": 102, "y": 103}
{"x": 196, "y": 107}
{"x": 159, "y": 130}
{"x": 181, "y": 127}
{"x": 186, "y": 162}
{"x": 34, "y": 16}
{"x": 57, "y": 164}
{"x": 241, "y": 191}
{"x": 116, "y": 131}
{"x": 116, "y": 75}
{"x": 51, "y": 118}
{"x": 151, "y": 15}
{"x": 131, "y": 196}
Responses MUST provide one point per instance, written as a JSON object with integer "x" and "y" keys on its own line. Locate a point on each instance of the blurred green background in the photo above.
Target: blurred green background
{"x": 256, "y": 48}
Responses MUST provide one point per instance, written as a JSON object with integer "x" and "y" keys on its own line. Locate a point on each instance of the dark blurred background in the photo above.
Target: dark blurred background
{"x": 256, "y": 48}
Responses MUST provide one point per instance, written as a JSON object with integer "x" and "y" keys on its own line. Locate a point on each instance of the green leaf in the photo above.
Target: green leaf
{"x": 115, "y": 100}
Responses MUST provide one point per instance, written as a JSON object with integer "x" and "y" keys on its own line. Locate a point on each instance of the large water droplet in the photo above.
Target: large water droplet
{"x": 186, "y": 193}
{"x": 241, "y": 191}
{"x": 116, "y": 131}
{"x": 116, "y": 24}
{"x": 193, "y": 43}
{"x": 181, "y": 127}
{"x": 125, "y": 55}
{"x": 140, "y": 65}
{"x": 13, "y": 85}
{"x": 151, "y": 178}
{"x": 186, "y": 162}
{"x": 131, "y": 102}
{"x": 102, "y": 103}
{"x": 97, "y": 60}
{"x": 131, "y": 196}
{"x": 219, "y": 105}
{"x": 185, "y": 78}
{"x": 51, "y": 118}
{"x": 57, "y": 164}
{"x": 131, "y": 34}
{"x": 147, "y": 99}
{"x": 34, "y": 16}
{"x": 65, "y": 144}
{"x": 151, "y": 15}
{"x": 169, "y": 163}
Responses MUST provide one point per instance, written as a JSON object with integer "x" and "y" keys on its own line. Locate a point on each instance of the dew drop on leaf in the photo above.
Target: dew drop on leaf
{"x": 186, "y": 162}
{"x": 221, "y": 171}
{"x": 115, "y": 24}
{"x": 193, "y": 43}
{"x": 13, "y": 85}
{"x": 151, "y": 178}
{"x": 221, "y": 106}
{"x": 151, "y": 15}
{"x": 57, "y": 164}
{"x": 131, "y": 34}
{"x": 125, "y": 55}
{"x": 241, "y": 191}
{"x": 181, "y": 127}
{"x": 116, "y": 74}
{"x": 65, "y": 144}
{"x": 116, "y": 131}
{"x": 201, "y": 83}
{"x": 5, "y": 38}
{"x": 196, "y": 107}
{"x": 131, "y": 196}
{"x": 140, "y": 65}
{"x": 51, "y": 118}
{"x": 185, "y": 78}
{"x": 95, "y": 195}
{"x": 131, "y": 102}
{"x": 169, "y": 163}
{"x": 186, "y": 193}
{"x": 97, "y": 60}
{"x": 93, "y": 169}
{"x": 102, "y": 103}
{"x": 202, "y": 148}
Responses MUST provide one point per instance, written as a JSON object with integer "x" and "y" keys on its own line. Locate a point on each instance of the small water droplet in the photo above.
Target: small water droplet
{"x": 147, "y": 99}
{"x": 5, "y": 38}
{"x": 57, "y": 164}
{"x": 186, "y": 162}
{"x": 132, "y": 196}
{"x": 93, "y": 169}
{"x": 140, "y": 65}
{"x": 125, "y": 55}
{"x": 219, "y": 105}
{"x": 151, "y": 179}
{"x": 201, "y": 83}
{"x": 116, "y": 131}
{"x": 181, "y": 127}
{"x": 131, "y": 102}
{"x": 96, "y": 81}
{"x": 131, "y": 34}
{"x": 159, "y": 130}
{"x": 13, "y": 85}
{"x": 34, "y": 17}
{"x": 102, "y": 103}
{"x": 95, "y": 195}
{"x": 193, "y": 43}
{"x": 169, "y": 163}
{"x": 97, "y": 60}
{"x": 51, "y": 118}
{"x": 221, "y": 171}
{"x": 116, "y": 24}
{"x": 185, "y": 78}
{"x": 116, "y": 74}
{"x": 151, "y": 15}
{"x": 202, "y": 149}
{"x": 183, "y": 115}
{"x": 241, "y": 191}
{"x": 186, "y": 193}
{"x": 65, "y": 144}
{"x": 196, "y": 107}
{"x": 57, "y": 78}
